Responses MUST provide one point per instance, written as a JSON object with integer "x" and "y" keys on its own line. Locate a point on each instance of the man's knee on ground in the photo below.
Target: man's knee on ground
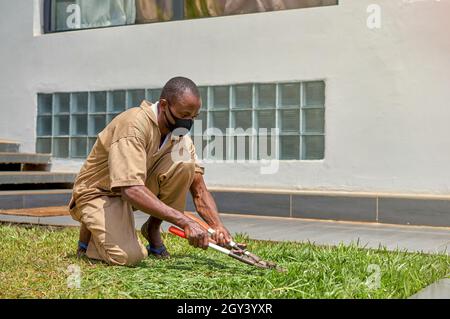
{"x": 120, "y": 257}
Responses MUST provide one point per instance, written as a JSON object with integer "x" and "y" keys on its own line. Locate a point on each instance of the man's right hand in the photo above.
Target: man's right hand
{"x": 196, "y": 235}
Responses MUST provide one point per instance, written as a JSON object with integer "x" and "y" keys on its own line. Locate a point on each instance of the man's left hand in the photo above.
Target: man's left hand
{"x": 222, "y": 236}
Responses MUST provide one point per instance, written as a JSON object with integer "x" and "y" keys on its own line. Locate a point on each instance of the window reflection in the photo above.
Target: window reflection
{"x": 214, "y": 8}
{"x": 83, "y": 14}
{"x": 64, "y": 15}
{"x": 148, "y": 11}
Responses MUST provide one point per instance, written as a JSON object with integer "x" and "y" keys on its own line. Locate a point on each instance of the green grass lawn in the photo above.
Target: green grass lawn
{"x": 34, "y": 263}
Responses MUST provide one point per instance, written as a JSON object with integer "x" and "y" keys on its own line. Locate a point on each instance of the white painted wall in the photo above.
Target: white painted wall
{"x": 387, "y": 90}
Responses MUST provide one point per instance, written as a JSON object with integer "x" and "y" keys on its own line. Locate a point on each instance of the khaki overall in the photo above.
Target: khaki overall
{"x": 128, "y": 153}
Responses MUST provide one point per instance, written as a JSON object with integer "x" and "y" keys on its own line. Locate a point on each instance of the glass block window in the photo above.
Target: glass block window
{"x": 295, "y": 109}
{"x": 229, "y": 126}
{"x": 68, "y": 123}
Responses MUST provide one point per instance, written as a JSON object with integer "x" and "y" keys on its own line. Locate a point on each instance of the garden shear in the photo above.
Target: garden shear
{"x": 235, "y": 250}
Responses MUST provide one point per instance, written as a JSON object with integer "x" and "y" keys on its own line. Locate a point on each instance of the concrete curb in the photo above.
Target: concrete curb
{"x": 438, "y": 290}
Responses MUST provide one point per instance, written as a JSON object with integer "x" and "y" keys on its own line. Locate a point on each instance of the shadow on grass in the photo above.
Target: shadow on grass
{"x": 179, "y": 262}
{"x": 186, "y": 262}
{"x": 85, "y": 259}
{"x": 191, "y": 263}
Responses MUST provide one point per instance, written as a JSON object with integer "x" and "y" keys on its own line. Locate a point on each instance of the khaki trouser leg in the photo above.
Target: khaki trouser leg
{"x": 170, "y": 181}
{"x": 113, "y": 236}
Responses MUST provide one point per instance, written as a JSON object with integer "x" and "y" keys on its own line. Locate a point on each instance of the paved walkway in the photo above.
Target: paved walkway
{"x": 409, "y": 238}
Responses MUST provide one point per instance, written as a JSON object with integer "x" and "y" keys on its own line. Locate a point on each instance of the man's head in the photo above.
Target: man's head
{"x": 179, "y": 104}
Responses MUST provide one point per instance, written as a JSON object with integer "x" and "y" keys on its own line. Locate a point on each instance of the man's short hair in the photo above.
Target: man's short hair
{"x": 178, "y": 86}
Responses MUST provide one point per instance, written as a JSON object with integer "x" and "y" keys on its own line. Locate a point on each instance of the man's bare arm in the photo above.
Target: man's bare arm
{"x": 207, "y": 209}
{"x": 143, "y": 199}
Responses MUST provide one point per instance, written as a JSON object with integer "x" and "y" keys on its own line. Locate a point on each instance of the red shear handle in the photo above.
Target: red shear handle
{"x": 177, "y": 231}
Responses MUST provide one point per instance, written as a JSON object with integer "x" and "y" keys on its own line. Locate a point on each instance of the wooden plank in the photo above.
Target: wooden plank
{"x": 38, "y": 212}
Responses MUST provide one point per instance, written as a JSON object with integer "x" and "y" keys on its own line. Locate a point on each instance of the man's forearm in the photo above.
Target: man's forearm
{"x": 143, "y": 199}
{"x": 207, "y": 209}
{"x": 204, "y": 202}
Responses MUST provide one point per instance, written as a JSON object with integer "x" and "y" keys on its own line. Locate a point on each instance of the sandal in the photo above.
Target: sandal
{"x": 159, "y": 252}
{"x": 82, "y": 248}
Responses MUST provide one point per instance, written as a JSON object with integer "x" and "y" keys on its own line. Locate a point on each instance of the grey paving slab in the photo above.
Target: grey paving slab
{"x": 33, "y": 199}
{"x": 438, "y": 290}
{"x": 420, "y": 244}
{"x": 392, "y": 236}
{"x": 19, "y": 219}
{"x": 54, "y": 221}
{"x": 334, "y": 238}
{"x": 139, "y": 219}
{"x": 58, "y": 221}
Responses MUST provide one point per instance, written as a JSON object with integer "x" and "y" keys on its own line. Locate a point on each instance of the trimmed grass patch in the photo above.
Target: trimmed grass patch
{"x": 34, "y": 263}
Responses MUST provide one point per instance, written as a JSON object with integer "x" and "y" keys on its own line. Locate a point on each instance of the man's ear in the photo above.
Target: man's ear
{"x": 163, "y": 103}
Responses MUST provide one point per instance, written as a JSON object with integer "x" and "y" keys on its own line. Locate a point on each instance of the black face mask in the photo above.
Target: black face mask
{"x": 181, "y": 125}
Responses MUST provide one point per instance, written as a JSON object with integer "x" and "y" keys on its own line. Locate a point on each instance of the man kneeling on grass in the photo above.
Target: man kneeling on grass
{"x": 136, "y": 164}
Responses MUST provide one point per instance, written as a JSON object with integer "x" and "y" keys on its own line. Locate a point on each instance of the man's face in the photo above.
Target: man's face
{"x": 185, "y": 109}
